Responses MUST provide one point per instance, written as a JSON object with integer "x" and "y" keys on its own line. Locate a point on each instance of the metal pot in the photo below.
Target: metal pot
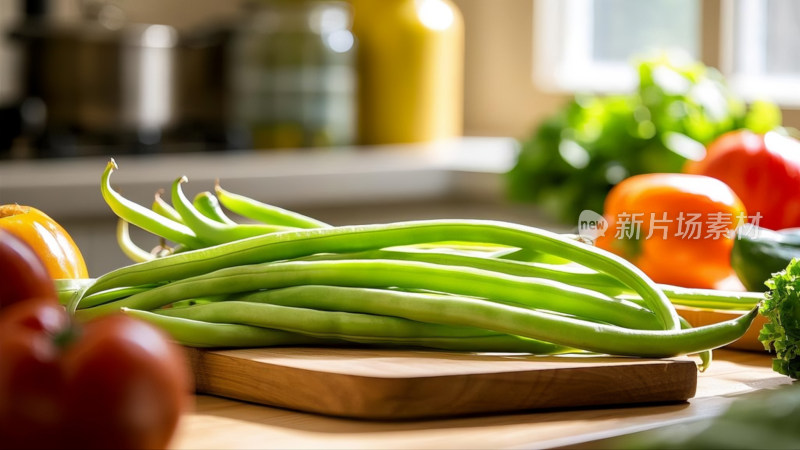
{"x": 101, "y": 82}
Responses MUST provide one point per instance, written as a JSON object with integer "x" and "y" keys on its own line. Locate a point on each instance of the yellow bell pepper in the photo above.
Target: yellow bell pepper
{"x": 49, "y": 240}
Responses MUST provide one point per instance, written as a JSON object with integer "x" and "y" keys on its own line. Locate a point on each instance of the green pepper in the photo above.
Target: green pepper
{"x": 759, "y": 252}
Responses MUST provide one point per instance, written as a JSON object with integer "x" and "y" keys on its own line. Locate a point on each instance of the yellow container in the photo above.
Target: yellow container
{"x": 410, "y": 68}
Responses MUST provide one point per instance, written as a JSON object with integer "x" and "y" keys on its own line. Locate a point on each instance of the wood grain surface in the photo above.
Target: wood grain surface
{"x": 219, "y": 423}
{"x": 412, "y": 384}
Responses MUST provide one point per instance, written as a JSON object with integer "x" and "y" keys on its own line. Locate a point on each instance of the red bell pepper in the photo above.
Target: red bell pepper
{"x": 762, "y": 169}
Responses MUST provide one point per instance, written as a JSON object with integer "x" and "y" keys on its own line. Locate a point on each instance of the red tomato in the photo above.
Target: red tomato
{"x": 116, "y": 382}
{"x": 31, "y": 385}
{"x": 763, "y": 171}
{"x": 22, "y": 273}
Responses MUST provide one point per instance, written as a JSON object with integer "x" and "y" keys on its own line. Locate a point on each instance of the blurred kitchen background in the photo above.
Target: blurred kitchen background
{"x": 398, "y": 109}
{"x": 82, "y": 76}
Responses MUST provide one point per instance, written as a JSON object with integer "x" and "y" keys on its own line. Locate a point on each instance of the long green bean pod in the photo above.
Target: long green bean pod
{"x": 209, "y": 230}
{"x": 128, "y": 247}
{"x": 143, "y": 217}
{"x": 328, "y": 324}
{"x": 529, "y": 292}
{"x": 363, "y": 328}
{"x": 706, "y": 356}
{"x": 195, "y": 333}
{"x": 712, "y": 298}
{"x": 69, "y": 288}
{"x": 561, "y": 330}
{"x": 533, "y": 255}
{"x": 362, "y": 300}
{"x": 111, "y": 295}
{"x": 208, "y": 205}
{"x": 300, "y": 243}
{"x": 165, "y": 209}
{"x": 263, "y": 212}
{"x": 571, "y": 274}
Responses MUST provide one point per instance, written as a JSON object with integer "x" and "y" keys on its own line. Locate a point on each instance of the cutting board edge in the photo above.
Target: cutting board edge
{"x": 381, "y": 398}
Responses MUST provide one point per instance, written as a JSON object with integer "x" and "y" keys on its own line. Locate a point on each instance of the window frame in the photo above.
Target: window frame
{"x": 561, "y": 60}
{"x": 755, "y": 84}
{"x": 559, "y": 66}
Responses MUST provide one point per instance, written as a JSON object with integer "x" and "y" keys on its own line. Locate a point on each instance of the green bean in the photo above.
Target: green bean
{"x": 572, "y": 274}
{"x": 128, "y": 247}
{"x": 362, "y": 328}
{"x": 705, "y": 356}
{"x": 195, "y": 333}
{"x": 208, "y": 205}
{"x": 368, "y": 301}
{"x": 67, "y": 288}
{"x": 328, "y": 324}
{"x": 483, "y": 249}
{"x": 110, "y": 295}
{"x": 210, "y": 231}
{"x": 560, "y": 330}
{"x": 143, "y": 217}
{"x": 165, "y": 209}
{"x": 530, "y": 292}
{"x": 300, "y": 243}
{"x": 262, "y": 212}
{"x": 533, "y": 255}
{"x": 388, "y": 302}
{"x": 712, "y": 298}
{"x": 196, "y": 301}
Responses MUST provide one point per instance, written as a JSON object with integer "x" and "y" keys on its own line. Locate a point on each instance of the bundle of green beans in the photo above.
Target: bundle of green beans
{"x": 281, "y": 278}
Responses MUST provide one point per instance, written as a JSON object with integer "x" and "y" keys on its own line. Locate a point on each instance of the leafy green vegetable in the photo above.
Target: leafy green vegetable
{"x": 782, "y": 310}
{"x": 573, "y": 158}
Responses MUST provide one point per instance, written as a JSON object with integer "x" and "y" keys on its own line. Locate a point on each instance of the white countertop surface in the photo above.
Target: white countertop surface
{"x": 69, "y": 188}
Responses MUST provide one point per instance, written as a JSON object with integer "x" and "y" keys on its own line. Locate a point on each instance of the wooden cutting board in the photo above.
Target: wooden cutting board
{"x": 383, "y": 384}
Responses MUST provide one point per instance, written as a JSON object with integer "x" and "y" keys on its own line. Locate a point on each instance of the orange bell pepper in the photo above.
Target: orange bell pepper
{"x": 677, "y": 228}
{"x": 49, "y": 240}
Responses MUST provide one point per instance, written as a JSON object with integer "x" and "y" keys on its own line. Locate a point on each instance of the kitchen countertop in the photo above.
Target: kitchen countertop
{"x": 220, "y": 423}
{"x": 294, "y": 178}
{"x": 459, "y": 178}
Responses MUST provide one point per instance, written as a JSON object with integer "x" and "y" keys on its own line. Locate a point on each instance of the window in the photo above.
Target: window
{"x": 587, "y": 45}
{"x": 762, "y": 57}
